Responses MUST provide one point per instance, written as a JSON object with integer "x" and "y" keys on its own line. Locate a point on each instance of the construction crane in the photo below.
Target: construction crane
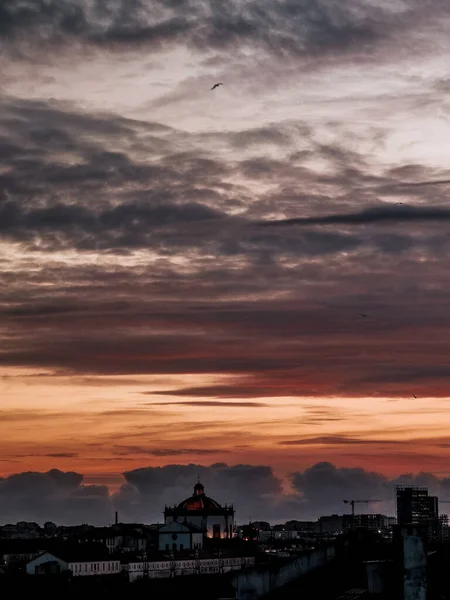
{"x": 353, "y": 502}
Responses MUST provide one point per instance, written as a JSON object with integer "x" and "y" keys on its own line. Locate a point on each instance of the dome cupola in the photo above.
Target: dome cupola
{"x": 199, "y": 490}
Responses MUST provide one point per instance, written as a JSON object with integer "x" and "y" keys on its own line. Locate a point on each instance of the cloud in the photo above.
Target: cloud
{"x": 46, "y": 198}
{"x": 207, "y": 391}
{"x": 336, "y": 440}
{"x": 333, "y": 329}
{"x": 324, "y": 487}
{"x": 126, "y": 450}
{"x": 283, "y": 26}
{"x": 370, "y": 216}
{"x": 131, "y": 200}
{"x": 252, "y": 489}
{"x": 18, "y": 415}
{"x": 62, "y": 455}
{"x": 425, "y": 183}
{"x": 156, "y": 266}
{"x": 255, "y": 491}
{"x": 52, "y": 496}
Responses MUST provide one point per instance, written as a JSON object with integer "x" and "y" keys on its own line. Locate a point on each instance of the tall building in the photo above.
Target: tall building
{"x": 414, "y": 505}
{"x": 444, "y": 529}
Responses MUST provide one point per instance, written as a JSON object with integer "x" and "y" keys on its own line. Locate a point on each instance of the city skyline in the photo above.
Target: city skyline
{"x": 152, "y": 313}
{"x": 255, "y": 492}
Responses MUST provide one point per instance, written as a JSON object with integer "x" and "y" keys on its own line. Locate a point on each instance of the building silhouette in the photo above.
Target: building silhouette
{"x": 204, "y": 513}
{"x": 416, "y": 506}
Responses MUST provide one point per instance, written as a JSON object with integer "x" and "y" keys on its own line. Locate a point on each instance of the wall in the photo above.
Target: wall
{"x": 415, "y": 565}
{"x": 204, "y": 566}
{"x": 182, "y": 538}
{"x": 200, "y": 521}
{"x": 96, "y": 567}
{"x": 253, "y": 584}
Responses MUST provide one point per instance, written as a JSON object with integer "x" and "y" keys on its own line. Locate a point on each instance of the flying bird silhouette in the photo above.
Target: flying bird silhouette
{"x": 363, "y": 315}
{"x": 216, "y": 85}
{"x": 397, "y": 203}
{"x": 414, "y": 396}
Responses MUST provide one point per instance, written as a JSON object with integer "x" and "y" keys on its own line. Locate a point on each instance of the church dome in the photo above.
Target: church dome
{"x": 199, "y": 501}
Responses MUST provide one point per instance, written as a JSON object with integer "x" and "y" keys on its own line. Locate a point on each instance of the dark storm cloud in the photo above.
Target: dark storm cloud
{"x": 49, "y": 200}
{"x": 61, "y": 497}
{"x": 281, "y": 27}
{"x": 155, "y": 196}
{"x": 325, "y": 486}
{"x": 370, "y": 216}
{"x": 133, "y": 219}
{"x": 278, "y": 27}
{"x": 319, "y": 350}
{"x": 252, "y": 489}
{"x": 52, "y": 496}
{"x": 255, "y": 491}
{"x": 306, "y": 285}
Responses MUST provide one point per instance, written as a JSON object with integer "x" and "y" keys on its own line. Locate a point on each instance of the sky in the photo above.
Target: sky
{"x": 184, "y": 270}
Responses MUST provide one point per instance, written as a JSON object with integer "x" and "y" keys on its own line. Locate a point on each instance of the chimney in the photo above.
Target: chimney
{"x": 117, "y": 518}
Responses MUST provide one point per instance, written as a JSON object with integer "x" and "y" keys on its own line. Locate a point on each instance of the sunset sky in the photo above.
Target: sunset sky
{"x": 184, "y": 270}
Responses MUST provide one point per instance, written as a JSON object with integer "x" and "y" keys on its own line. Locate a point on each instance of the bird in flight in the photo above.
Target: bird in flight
{"x": 397, "y": 203}
{"x": 363, "y": 315}
{"x": 414, "y": 396}
{"x": 216, "y": 85}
